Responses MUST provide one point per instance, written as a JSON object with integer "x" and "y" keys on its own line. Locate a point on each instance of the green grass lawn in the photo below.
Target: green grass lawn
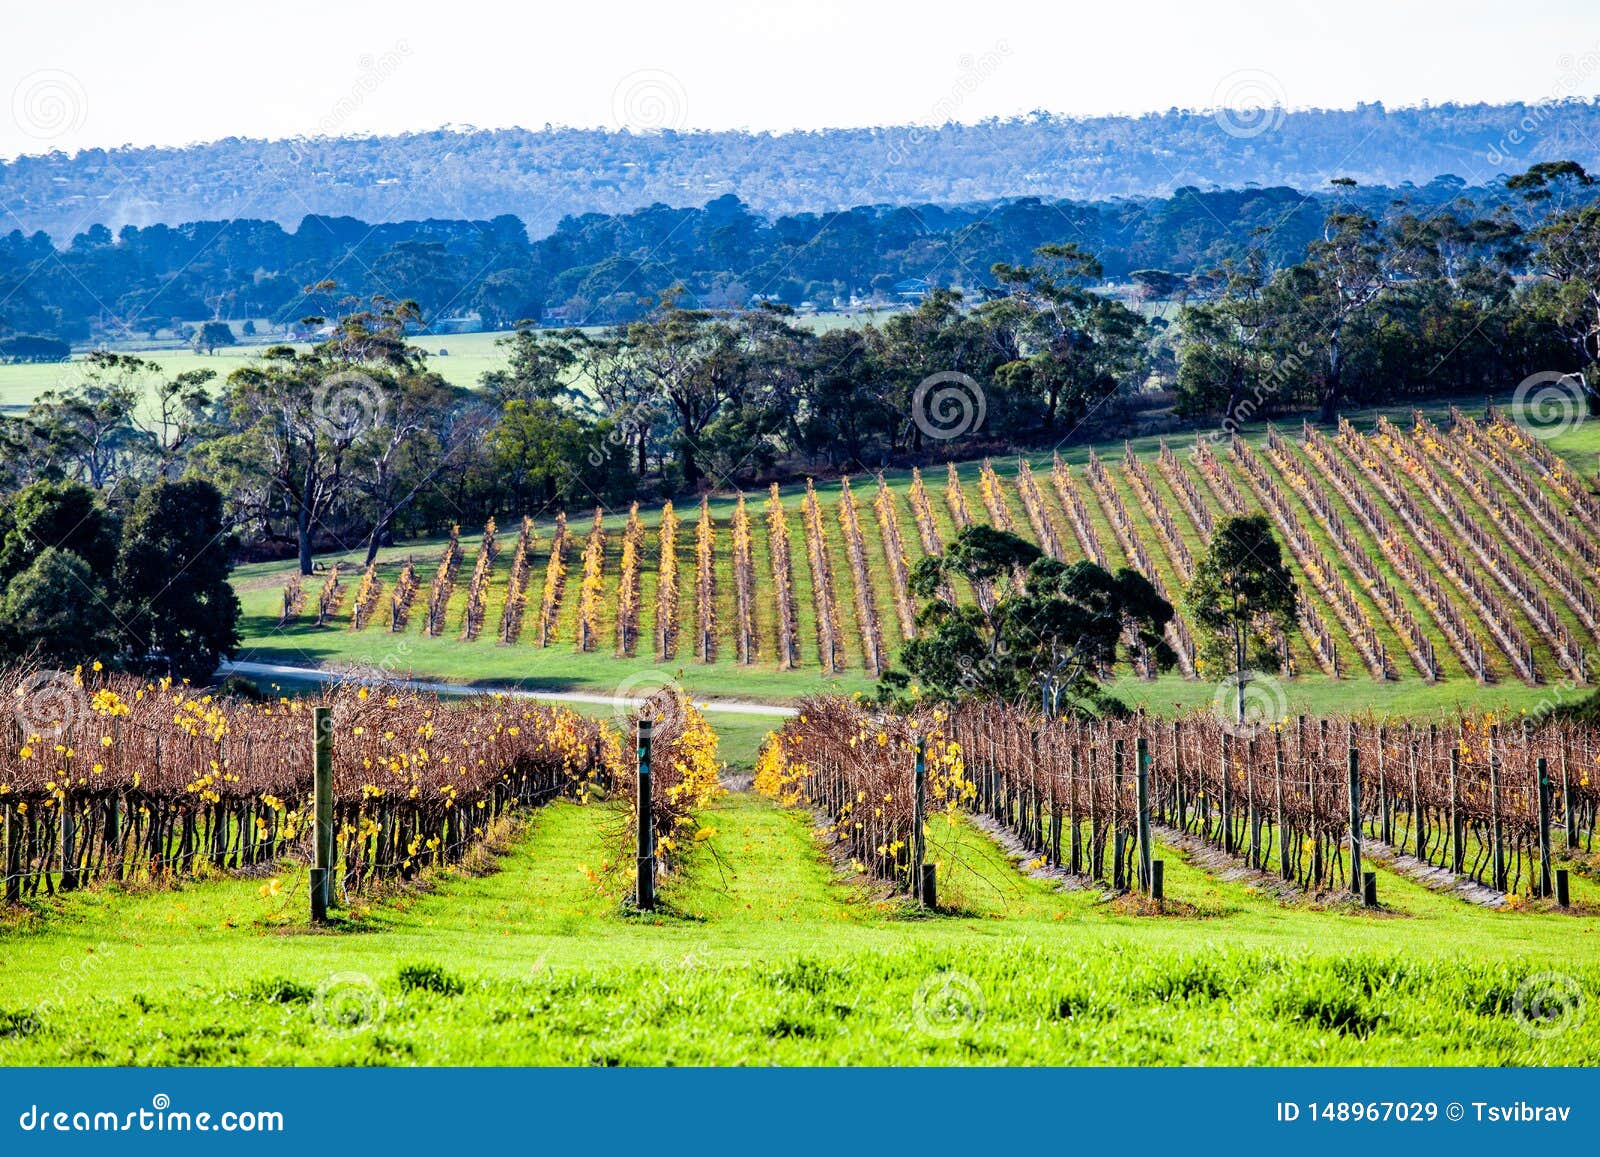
{"x": 768, "y": 955}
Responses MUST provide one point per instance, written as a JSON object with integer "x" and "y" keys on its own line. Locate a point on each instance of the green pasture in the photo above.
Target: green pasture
{"x": 768, "y": 954}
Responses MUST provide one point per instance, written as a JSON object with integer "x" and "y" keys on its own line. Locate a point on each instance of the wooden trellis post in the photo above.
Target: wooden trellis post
{"x": 69, "y": 845}
{"x": 1458, "y": 850}
{"x": 1146, "y": 880}
{"x": 1354, "y": 767}
{"x": 1494, "y": 809}
{"x": 322, "y": 867}
{"x": 923, "y": 882}
{"x": 13, "y": 855}
{"x": 1546, "y": 884}
{"x": 646, "y": 889}
{"x": 1118, "y": 872}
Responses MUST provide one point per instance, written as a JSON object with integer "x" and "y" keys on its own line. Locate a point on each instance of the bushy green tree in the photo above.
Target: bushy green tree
{"x": 178, "y": 612}
{"x": 67, "y": 516}
{"x": 1240, "y": 595}
{"x": 56, "y": 612}
{"x": 1045, "y": 639}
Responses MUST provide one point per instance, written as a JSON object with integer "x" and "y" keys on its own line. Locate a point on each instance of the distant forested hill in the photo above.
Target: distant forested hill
{"x": 599, "y": 268}
{"x": 543, "y": 176}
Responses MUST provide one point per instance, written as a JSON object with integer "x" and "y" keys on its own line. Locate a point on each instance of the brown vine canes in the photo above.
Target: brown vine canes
{"x": 1555, "y": 471}
{"x": 993, "y": 493}
{"x": 1422, "y": 582}
{"x": 1443, "y": 553}
{"x": 1327, "y": 580}
{"x": 405, "y": 593}
{"x": 1461, "y": 796}
{"x": 1157, "y": 514}
{"x": 294, "y": 599}
{"x": 1507, "y": 464}
{"x": 155, "y": 781}
{"x": 1178, "y": 634}
{"x": 369, "y": 593}
{"x": 1488, "y": 547}
{"x": 1222, "y": 487}
{"x": 1033, "y": 504}
{"x": 477, "y": 609}
{"x": 1077, "y": 513}
{"x": 781, "y": 552}
{"x": 955, "y": 497}
{"x": 899, "y": 563}
{"x": 1188, "y": 494}
{"x": 1205, "y": 524}
{"x": 444, "y": 580}
{"x": 1524, "y": 539}
{"x": 830, "y": 642}
{"x": 856, "y": 771}
{"x": 1366, "y": 569}
{"x": 516, "y": 605}
{"x": 331, "y": 597}
{"x": 928, "y": 528}
{"x": 861, "y": 579}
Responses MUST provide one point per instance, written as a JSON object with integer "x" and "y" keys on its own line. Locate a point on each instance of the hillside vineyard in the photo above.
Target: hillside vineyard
{"x": 1461, "y": 549}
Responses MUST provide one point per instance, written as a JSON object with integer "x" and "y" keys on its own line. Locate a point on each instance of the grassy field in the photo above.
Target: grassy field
{"x": 767, "y": 955}
{"x": 470, "y": 356}
{"x": 460, "y": 358}
{"x": 560, "y": 666}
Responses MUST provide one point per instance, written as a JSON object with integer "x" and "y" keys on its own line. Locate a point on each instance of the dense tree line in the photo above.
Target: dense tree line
{"x": 356, "y": 441}
{"x": 545, "y": 175}
{"x": 1399, "y": 303}
{"x": 217, "y": 279}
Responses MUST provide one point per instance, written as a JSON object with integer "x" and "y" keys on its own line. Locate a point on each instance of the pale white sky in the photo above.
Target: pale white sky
{"x": 82, "y": 73}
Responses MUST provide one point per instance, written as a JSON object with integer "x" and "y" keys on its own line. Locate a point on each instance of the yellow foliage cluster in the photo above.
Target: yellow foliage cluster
{"x": 555, "y": 580}
{"x": 628, "y": 584}
{"x": 744, "y": 582}
{"x": 591, "y": 587}
{"x": 783, "y": 576}
{"x": 667, "y": 584}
